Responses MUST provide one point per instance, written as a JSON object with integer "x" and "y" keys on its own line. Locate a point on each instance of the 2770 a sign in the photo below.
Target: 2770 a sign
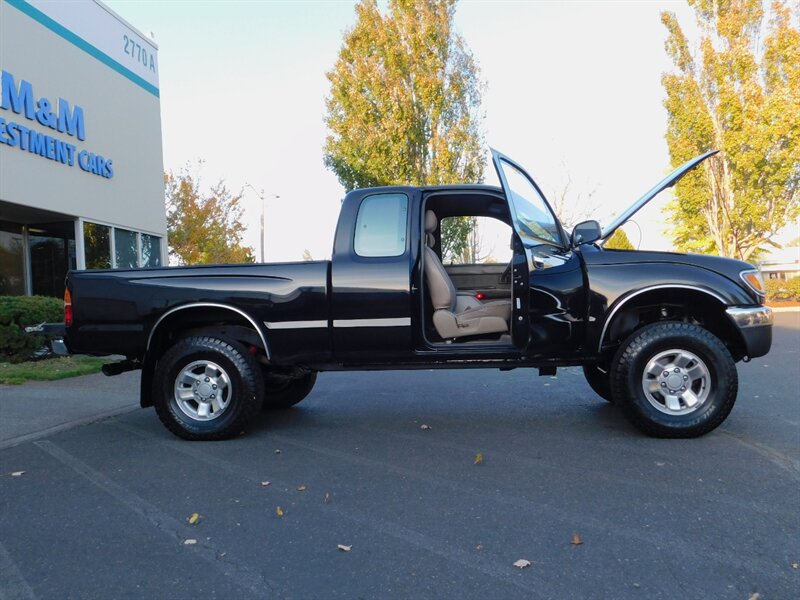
{"x": 139, "y": 53}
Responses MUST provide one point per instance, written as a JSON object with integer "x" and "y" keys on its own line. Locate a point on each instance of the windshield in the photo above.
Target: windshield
{"x": 531, "y": 213}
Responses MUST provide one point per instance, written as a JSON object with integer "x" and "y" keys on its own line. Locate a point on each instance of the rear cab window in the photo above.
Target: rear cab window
{"x": 381, "y": 226}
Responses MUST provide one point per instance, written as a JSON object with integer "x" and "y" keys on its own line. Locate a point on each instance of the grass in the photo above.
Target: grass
{"x": 49, "y": 369}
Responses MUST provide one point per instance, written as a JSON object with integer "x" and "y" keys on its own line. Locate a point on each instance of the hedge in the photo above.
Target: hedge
{"x": 783, "y": 290}
{"x": 18, "y": 312}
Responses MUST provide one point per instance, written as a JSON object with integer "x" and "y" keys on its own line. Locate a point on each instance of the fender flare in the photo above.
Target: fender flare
{"x": 620, "y": 303}
{"x": 191, "y": 305}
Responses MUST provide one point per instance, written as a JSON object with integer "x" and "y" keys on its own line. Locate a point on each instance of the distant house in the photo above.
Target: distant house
{"x": 781, "y": 264}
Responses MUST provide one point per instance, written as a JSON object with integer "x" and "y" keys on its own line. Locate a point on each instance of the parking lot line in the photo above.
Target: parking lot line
{"x": 239, "y": 574}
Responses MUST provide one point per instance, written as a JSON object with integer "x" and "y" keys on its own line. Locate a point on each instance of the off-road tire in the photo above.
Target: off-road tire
{"x": 280, "y": 394}
{"x": 631, "y": 359}
{"x": 246, "y": 384}
{"x": 599, "y": 381}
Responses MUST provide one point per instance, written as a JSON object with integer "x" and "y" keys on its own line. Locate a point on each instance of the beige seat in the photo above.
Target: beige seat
{"x": 457, "y": 315}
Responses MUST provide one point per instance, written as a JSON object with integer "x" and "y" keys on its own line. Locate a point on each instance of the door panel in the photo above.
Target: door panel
{"x": 483, "y": 278}
{"x": 371, "y": 278}
{"x": 557, "y": 302}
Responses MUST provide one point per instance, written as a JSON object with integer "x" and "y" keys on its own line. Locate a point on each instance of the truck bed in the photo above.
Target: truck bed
{"x": 115, "y": 311}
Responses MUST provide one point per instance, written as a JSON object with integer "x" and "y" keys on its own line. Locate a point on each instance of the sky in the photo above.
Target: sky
{"x": 573, "y": 92}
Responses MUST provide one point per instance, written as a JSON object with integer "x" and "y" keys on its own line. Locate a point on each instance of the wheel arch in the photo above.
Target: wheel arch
{"x": 670, "y": 302}
{"x": 201, "y": 317}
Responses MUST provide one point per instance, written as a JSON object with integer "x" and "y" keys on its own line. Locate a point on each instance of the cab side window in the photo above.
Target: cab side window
{"x": 381, "y": 225}
{"x": 475, "y": 241}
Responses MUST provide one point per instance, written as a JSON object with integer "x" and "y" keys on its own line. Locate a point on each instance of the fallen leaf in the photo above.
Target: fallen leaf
{"x": 17, "y": 473}
{"x": 522, "y": 563}
{"x": 479, "y": 458}
{"x": 301, "y": 488}
{"x": 796, "y": 565}
{"x": 194, "y": 519}
{"x": 576, "y": 540}
{"x": 344, "y": 548}
{"x": 189, "y": 542}
{"x": 479, "y": 547}
{"x": 755, "y": 596}
{"x": 425, "y": 427}
{"x": 264, "y": 483}
{"x": 327, "y": 498}
{"x": 279, "y": 511}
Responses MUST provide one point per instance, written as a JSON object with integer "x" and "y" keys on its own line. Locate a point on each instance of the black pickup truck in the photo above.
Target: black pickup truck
{"x": 656, "y": 333}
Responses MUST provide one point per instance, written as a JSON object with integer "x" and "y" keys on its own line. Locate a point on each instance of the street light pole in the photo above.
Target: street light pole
{"x": 263, "y": 210}
{"x": 262, "y": 225}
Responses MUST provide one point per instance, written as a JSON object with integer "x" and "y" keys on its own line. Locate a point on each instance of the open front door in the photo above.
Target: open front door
{"x": 548, "y": 280}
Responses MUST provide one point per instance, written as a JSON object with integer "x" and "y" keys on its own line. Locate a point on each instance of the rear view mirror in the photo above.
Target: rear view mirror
{"x": 586, "y": 232}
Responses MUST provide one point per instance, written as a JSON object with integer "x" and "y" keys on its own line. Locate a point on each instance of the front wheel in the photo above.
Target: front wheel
{"x": 674, "y": 380}
{"x": 207, "y": 388}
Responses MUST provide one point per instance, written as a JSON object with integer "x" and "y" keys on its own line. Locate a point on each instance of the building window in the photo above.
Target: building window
{"x": 125, "y": 249}
{"x": 151, "y": 250}
{"x": 12, "y": 265}
{"x": 381, "y": 225}
{"x": 97, "y": 245}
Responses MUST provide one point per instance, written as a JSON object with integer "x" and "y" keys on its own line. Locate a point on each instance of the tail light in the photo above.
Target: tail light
{"x": 67, "y": 308}
{"x": 480, "y": 296}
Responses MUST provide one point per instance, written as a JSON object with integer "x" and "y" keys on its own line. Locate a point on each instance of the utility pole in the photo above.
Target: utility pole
{"x": 262, "y": 197}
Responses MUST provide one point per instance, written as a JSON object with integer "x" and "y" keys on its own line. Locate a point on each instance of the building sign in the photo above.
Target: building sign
{"x": 60, "y": 117}
{"x": 102, "y": 34}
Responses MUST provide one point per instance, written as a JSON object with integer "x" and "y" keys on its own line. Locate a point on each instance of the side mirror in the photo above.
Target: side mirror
{"x": 586, "y": 232}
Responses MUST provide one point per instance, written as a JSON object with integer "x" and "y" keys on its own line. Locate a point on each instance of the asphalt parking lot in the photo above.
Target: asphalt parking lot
{"x": 102, "y": 510}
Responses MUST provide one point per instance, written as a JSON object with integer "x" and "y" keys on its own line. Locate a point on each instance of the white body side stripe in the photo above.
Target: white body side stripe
{"x": 397, "y": 322}
{"x": 295, "y": 324}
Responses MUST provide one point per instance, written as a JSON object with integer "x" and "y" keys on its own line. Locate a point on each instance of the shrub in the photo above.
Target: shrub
{"x": 18, "y": 312}
{"x": 783, "y": 290}
{"x": 776, "y": 289}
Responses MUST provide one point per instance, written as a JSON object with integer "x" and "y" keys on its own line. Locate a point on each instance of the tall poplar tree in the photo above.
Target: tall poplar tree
{"x": 404, "y": 103}
{"x": 739, "y": 92}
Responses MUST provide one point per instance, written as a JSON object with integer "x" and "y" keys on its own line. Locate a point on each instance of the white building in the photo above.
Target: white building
{"x": 783, "y": 264}
{"x": 81, "y": 169}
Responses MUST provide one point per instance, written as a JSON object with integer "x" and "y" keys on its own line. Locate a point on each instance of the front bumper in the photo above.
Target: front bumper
{"x": 755, "y": 325}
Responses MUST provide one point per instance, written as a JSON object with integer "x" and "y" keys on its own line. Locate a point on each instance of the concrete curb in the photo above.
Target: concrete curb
{"x": 35, "y": 435}
{"x": 785, "y": 309}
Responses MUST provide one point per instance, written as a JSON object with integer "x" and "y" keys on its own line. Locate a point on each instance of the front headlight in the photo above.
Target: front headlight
{"x": 754, "y": 280}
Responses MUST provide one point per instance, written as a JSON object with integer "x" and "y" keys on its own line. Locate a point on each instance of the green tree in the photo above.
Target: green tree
{"x": 739, "y": 93}
{"x": 456, "y": 232}
{"x": 404, "y": 104}
{"x": 204, "y": 228}
{"x": 619, "y": 241}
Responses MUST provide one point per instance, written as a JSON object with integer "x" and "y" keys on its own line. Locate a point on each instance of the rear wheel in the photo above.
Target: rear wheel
{"x": 674, "y": 380}
{"x": 599, "y": 381}
{"x": 207, "y": 388}
{"x": 281, "y": 392}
